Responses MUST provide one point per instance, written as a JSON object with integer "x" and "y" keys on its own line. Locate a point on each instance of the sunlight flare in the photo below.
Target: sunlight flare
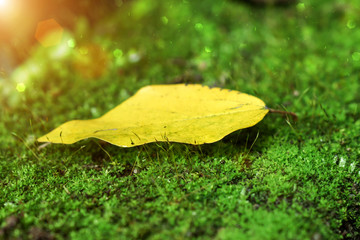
{"x": 3, "y": 3}
{"x": 8, "y": 11}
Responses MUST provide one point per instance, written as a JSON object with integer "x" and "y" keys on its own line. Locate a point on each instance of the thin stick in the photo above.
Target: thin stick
{"x": 257, "y": 135}
{"x": 293, "y": 115}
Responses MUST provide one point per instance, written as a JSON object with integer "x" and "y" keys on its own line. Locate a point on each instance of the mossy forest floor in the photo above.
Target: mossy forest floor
{"x": 277, "y": 180}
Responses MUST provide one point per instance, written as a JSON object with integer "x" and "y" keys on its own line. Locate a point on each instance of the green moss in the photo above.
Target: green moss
{"x": 299, "y": 180}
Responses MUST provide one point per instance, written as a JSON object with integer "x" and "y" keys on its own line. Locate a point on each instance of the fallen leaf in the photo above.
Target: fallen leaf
{"x": 193, "y": 114}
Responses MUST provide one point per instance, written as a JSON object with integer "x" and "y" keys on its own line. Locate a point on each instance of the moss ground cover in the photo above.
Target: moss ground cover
{"x": 278, "y": 180}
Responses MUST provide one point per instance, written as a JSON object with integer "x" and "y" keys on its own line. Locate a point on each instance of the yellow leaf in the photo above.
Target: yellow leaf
{"x": 192, "y": 114}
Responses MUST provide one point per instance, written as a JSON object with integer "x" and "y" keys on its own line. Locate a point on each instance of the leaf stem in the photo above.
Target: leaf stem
{"x": 293, "y": 115}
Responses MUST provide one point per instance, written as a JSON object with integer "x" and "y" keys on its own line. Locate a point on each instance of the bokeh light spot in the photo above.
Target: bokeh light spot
{"x": 164, "y": 20}
{"x": 351, "y": 24}
{"x": 118, "y": 53}
{"x": 49, "y": 33}
{"x": 71, "y": 43}
{"x": 199, "y": 26}
{"x": 242, "y": 45}
{"x": 20, "y": 87}
{"x": 207, "y": 50}
{"x": 356, "y": 56}
{"x": 134, "y": 56}
{"x": 300, "y": 7}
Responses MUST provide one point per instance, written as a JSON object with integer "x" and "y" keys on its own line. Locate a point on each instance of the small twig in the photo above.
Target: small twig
{"x": 107, "y": 153}
{"x": 257, "y": 135}
{"x": 66, "y": 190}
{"x": 44, "y": 145}
{"x": 293, "y": 115}
{"x": 75, "y": 152}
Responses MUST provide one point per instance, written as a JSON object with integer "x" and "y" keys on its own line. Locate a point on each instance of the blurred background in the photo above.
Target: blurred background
{"x": 20, "y": 20}
{"x": 39, "y": 36}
